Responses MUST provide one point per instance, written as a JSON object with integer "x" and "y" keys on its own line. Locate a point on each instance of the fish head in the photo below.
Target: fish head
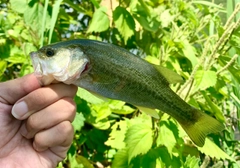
{"x": 59, "y": 63}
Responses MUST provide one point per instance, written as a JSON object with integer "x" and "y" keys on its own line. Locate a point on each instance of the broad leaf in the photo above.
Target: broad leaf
{"x": 212, "y": 150}
{"x": 121, "y": 159}
{"x": 100, "y": 21}
{"x": 117, "y": 136}
{"x": 78, "y": 122}
{"x": 166, "y": 136}
{"x": 205, "y": 79}
{"x": 190, "y": 52}
{"x": 119, "y": 107}
{"x": 191, "y": 162}
{"x": 33, "y": 17}
{"x": 124, "y": 22}
{"x": 138, "y": 140}
{"x": 89, "y": 97}
{"x": 19, "y": 5}
{"x": 145, "y": 15}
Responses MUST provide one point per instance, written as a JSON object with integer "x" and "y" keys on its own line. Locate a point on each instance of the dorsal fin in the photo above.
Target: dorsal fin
{"x": 171, "y": 76}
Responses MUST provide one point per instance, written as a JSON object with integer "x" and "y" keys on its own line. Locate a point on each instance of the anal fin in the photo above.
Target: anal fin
{"x": 149, "y": 111}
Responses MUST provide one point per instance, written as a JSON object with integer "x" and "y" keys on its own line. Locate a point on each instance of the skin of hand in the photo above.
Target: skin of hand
{"x": 35, "y": 123}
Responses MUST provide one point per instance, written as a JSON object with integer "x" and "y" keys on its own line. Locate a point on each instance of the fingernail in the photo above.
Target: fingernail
{"x": 19, "y": 109}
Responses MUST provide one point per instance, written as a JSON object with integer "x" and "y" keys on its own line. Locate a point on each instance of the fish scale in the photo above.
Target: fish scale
{"x": 115, "y": 73}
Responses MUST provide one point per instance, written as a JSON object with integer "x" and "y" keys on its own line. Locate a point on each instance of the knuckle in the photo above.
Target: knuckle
{"x": 39, "y": 140}
{"x": 37, "y": 97}
{"x": 65, "y": 128}
{"x": 32, "y": 123}
{"x": 70, "y": 106}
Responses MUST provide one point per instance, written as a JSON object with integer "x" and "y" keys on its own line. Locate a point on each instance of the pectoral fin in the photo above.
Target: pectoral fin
{"x": 149, "y": 111}
{"x": 171, "y": 76}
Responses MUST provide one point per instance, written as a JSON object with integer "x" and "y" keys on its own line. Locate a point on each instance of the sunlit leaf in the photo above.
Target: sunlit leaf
{"x": 124, "y": 22}
{"x": 138, "y": 140}
{"x": 121, "y": 159}
{"x": 144, "y": 15}
{"x": 119, "y": 107}
{"x": 190, "y": 52}
{"x": 33, "y": 16}
{"x": 205, "y": 79}
{"x": 100, "y": 21}
{"x": 19, "y": 5}
{"x": 166, "y": 135}
{"x": 78, "y": 122}
{"x": 84, "y": 94}
{"x": 117, "y": 136}
{"x": 191, "y": 162}
{"x": 212, "y": 150}
{"x": 3, "y": 66}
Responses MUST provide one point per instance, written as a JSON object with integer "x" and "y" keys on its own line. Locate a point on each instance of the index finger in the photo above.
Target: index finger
{"x": 42, "y": 98}
{"x": 13, "y": 90}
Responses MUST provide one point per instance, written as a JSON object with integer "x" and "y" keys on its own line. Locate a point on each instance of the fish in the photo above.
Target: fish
{"x": 113, "y": 72}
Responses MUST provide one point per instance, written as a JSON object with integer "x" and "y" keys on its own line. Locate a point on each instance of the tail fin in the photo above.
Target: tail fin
{"x": 204, "y": 125}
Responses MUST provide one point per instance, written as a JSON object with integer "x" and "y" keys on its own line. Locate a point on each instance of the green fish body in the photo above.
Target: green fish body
{"x": 115, "y": 73}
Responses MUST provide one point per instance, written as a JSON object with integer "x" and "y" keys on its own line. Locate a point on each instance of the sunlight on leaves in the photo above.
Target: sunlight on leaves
{"x": 138, "y": 140}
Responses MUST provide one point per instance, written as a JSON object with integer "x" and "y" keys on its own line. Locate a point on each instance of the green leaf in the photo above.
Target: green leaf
{"x": 205, "y": 79}
{"x": 214, "y": 108}
{"x": 166, "y": 18}
{"x": 100, "y": 21}
{"x": 121, "y": 159}
{"x": 78, "y": 122}
{"x": 145, "y": 15}
{"x": 209, "y": 4}
{"x": 117, "y": 136}
{"x": 89, "y": 97}
{"x": 190, "y": 52}
{"x": 55, "y": 12}
{"x": 95, "y": 3}
{"x": 33, "y": 17}
{"x": 19, "y": 5}
{"x": 101, "y": 111}
{"x": 191, "y": 162}
{"x": 233, "y": 69}
{"x": 83, "y": 162}
{"x": 124, "y": 22}
{"x": 3, "y": 66}
{"x": 15, "y": 59}
{"x": 119, "y": 107}
{"x": 138, "y": 140}
{"x": 166, "y": 129}
{"x": 212, "y": 150}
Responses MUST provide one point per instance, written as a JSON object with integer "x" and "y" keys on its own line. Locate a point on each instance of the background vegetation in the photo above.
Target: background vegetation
{"x": 197, "y": 39}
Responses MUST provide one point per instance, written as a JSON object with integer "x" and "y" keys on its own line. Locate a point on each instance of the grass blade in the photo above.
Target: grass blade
{"x": 55, "y": 12}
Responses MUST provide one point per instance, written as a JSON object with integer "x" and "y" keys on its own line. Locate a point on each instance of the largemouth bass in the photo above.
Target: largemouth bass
{"x": 115, "y": 73}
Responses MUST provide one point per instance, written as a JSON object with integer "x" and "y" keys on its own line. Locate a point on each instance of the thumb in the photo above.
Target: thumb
{"x": 13, "y": 90}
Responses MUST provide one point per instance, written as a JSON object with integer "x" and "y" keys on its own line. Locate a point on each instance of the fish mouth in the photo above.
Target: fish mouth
{"x": 36, "y": 65}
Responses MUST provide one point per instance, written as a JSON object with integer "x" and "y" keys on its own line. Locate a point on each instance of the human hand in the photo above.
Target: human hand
{"x": 42, "y": 133}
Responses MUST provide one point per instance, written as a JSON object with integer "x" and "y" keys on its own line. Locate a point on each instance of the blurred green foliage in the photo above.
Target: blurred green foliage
{"x": 191, "y": 37}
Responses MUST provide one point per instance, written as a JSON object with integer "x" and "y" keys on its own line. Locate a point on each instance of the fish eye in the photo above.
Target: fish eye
{"x": 49, "y": 52}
